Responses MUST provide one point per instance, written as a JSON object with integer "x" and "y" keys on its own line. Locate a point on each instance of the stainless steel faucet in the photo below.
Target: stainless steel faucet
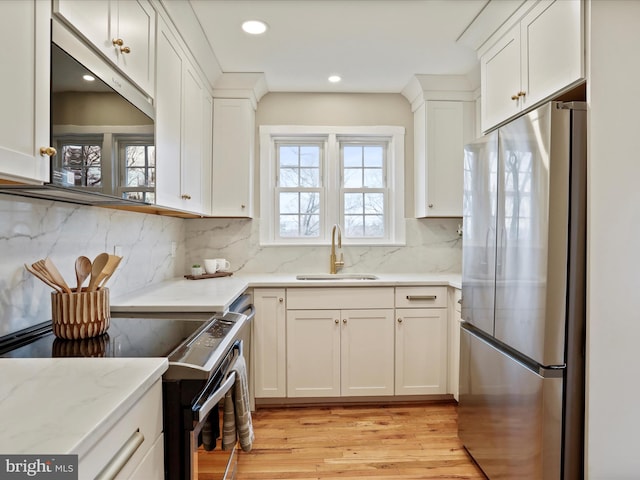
{"x": 334, "y": 263}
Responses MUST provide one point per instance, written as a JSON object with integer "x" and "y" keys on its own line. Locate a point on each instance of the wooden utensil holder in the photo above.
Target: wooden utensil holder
{"x": 80, "y": 314}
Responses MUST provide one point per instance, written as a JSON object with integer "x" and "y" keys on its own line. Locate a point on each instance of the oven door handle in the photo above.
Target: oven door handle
{"x": 212, "y": 401}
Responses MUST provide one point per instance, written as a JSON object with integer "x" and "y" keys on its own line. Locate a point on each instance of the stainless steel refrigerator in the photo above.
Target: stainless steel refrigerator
{"x": 521, "y": 404}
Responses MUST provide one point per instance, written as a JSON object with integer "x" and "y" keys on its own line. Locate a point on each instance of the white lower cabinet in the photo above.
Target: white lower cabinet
{"x": 421, "y": 351}
{"x": 366, "y": 349}
{"x": 454, "y": 342}
{"x": 134, "y": 444}
{"x": 332, "y": 353}
{"x": 269, "y": 343}
{"x": 421, "y": 341}
{"x": 313, "y": 353}
{"x": 352, "y": 342}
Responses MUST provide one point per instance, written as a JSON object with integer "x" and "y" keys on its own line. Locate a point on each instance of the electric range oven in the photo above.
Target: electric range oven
{"x": 201, "y": 349}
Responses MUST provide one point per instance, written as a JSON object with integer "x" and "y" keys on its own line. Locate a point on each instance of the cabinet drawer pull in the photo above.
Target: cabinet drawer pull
{"x": 125, "y": 49}
{"x": 421, "y": 297}
{"x": 121, "y": 457}
{"x": 117, "y": 42}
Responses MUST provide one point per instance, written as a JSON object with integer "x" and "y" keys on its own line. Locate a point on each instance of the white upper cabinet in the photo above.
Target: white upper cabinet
{"x": 441, "y": 128}
{"x": 25, "y": 31}
{"x": 122, "y": 30}
{"x": 539, "y": 57}
{"x": 183, "y": 129}
{"x": 168, "y": 118}
{"x": 233, "y": 157}
{"x": 500, "y": 72}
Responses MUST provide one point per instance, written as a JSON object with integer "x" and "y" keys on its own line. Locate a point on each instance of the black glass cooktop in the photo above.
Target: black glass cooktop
{"x": 127, "y": 336}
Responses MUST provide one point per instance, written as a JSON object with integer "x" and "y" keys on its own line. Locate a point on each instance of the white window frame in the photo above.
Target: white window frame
{"x": 332, "y": 171}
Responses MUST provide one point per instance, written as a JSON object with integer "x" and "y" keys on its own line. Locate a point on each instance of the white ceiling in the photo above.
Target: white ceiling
{"x": 375, "y": 45}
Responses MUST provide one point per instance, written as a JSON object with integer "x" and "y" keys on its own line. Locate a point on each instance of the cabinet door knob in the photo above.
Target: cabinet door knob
{"x": 48, "y": 151}
{"x": 125, "y": 49}
{"x": 431, "y": 205}
{"x": 514, "y": 97}
{"x": 344, "y": 320}
{"x": 281, "y": 300}
{"x": 521, "y": 93}
{"x": 185, "y": 197}
{"x": 399, "y": 320}
{"x": 242, "y": 206}
{"x": 117, "y": 42}
{"x": 336, "y": 321}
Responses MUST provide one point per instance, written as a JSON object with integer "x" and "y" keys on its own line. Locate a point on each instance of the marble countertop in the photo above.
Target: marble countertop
{"x": 217, "y": 294}
{"x": 65, "y": 405}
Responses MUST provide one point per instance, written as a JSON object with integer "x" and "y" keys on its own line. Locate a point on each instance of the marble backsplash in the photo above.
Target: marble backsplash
{"x": 34, "y": 229}
{"x": 433, "y": 245}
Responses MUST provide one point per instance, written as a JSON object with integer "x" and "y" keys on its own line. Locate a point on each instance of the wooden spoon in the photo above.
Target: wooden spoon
{"x": 43, "y": 277}
{"x": 108, "y": 270}
{"x": 55, "y": 275}
{"x": 83, "y": 270}
{"x": 96, "y": 269}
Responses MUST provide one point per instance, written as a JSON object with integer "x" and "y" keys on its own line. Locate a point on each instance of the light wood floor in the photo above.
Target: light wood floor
{"x": 354, "y": 442}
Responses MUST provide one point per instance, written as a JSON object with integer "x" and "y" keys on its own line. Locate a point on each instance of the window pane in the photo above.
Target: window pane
{"x": 373, "y": 156}
{"x": 289, "y": 202}
{"x": 353, "y": 225}
{"x": 352, "y": 156}
{"x": 135, "y": 155}
{"x": 309, "y": 177}
{"x": 374, "y": 226}
{"x": 85, "y": 162}
{"x": 374, "y": 203}
{"x": 310, "y": 226}
{"x": 373, "y": 178}
{"x": 353, "y": 203}
{"x": 288, "y": 155}
{"x": 289, "y": 225}
{"x": 352, "y": 177}
{"x": 93, "y": 177}
{"x": 310, "y": 156}
{"x": 309, "y": 202}
{"x": 136, "y": 177}
{"x": 289, "y": 177}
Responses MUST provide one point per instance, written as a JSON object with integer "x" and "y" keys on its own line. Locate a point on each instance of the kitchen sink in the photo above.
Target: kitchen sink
{"x": 337, "y": 276}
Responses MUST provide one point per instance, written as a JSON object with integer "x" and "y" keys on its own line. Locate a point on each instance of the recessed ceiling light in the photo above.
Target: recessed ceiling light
{"x": 254, "y": 27}
{"x": 335, "y": 78}
{"x": 88, "y": 78}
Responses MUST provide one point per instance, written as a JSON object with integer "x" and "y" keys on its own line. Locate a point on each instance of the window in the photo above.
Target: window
{"x": 84, "y": 160}
{"x": 79, "y": 162}
{"x": 314, "y": 177}
{"x": 363, "y": 189}
{"x": 299, "y": 189}
{"x": 138, "y": 157}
